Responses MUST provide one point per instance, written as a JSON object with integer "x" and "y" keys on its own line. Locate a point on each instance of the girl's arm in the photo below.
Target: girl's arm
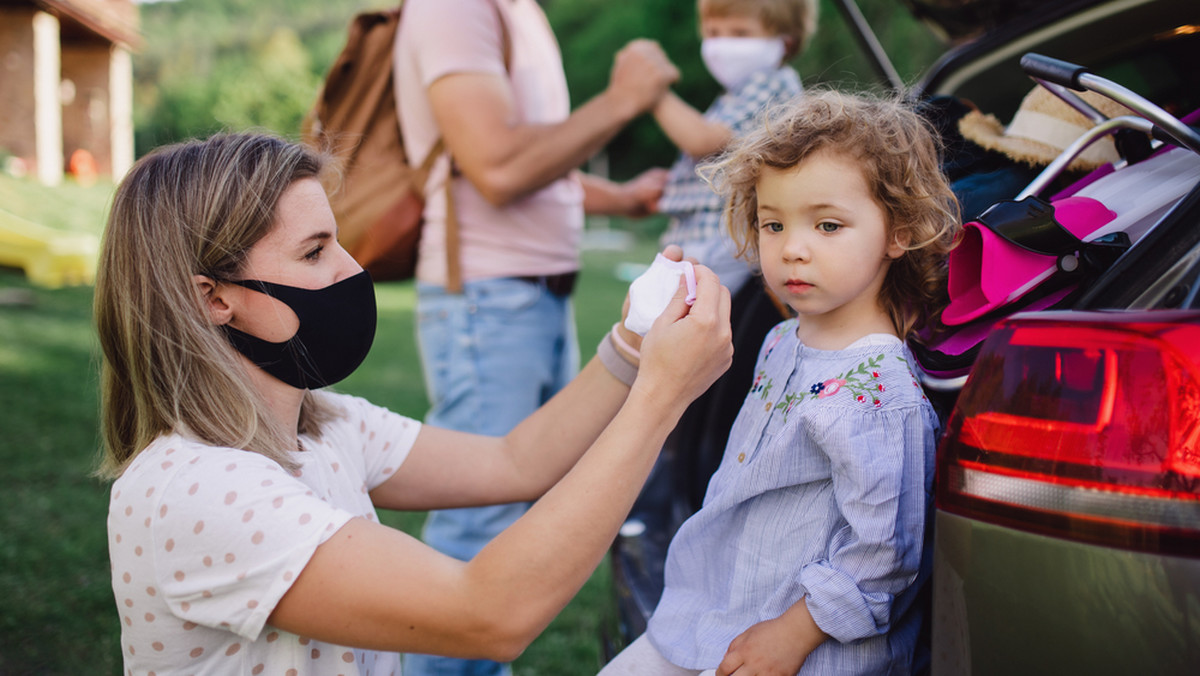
{"x": 374, "y": 587}
{"x": 882, "y": 465}
{"x": 688, "y": 129}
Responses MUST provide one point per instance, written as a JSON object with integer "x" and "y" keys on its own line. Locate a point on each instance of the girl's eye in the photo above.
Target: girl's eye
{"x": 772, "y": 226}
{"x": 826, "y": 226}
{"x": 315, "y": 254}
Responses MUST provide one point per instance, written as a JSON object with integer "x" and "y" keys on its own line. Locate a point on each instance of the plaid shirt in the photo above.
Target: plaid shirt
{"x": 695, "y": 210}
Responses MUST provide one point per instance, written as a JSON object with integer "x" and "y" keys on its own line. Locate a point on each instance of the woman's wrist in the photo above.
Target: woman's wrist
{"x": 627, "y": 343}
{"x": 621, "y": 362}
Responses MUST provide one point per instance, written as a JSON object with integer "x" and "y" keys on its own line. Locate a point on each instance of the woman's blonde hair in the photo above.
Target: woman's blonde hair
{"x": 795, "y": 19}
{"x": 187, "y": 209}
{"x": 899, "y": 153}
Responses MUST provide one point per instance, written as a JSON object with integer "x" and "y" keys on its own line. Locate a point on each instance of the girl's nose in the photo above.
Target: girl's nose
{"x": 796, "y": 247}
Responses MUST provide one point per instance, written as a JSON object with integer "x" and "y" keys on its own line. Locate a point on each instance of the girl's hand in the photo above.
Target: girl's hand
{"x": 775, "y": 647}
{"x": 765, "y": 649}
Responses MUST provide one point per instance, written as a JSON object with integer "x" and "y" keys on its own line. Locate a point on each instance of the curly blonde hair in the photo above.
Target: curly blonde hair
{"x": 899, "y": 153}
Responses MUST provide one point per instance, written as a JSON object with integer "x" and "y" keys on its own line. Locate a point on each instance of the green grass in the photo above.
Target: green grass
{"x": 56, "y": 608}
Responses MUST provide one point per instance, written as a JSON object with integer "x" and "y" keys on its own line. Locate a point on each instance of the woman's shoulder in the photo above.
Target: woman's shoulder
{"x": 357, "y": 415}
{"x": 175, "y": 456}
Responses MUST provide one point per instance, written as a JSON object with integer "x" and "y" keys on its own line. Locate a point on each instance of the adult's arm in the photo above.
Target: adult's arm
{"x": 372, "y": 586}
{"x": 635, "y": 197}
{"x": 506, "y": 158}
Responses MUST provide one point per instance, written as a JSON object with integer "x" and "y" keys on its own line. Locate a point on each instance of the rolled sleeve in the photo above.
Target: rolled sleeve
{"x": 879, "y": 484}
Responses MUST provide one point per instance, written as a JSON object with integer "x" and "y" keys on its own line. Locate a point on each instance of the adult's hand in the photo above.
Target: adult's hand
{"x": 672, "y": 252}
{"x": 641, "y": 74}
{"x": 688, "y": 347}
{"x": 644, "y": 190}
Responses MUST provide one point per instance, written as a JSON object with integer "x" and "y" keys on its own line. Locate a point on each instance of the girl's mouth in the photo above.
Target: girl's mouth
{"x": 797, "y": 285}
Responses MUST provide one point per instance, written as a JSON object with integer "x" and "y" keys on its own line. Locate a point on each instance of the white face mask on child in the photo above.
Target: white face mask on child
{"x": 733, "y": 60}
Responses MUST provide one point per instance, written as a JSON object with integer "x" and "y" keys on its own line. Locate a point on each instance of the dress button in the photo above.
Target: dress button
{"x": 741, "y": 457}
{"x": 767, "y": 407}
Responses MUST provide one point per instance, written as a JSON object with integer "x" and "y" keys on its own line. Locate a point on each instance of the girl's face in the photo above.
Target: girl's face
{"x": 824, "y": 245}
{"x": 300, "y": 250}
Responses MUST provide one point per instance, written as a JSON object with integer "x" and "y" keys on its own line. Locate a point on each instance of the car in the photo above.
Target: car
{"x": 1067, "y": 495}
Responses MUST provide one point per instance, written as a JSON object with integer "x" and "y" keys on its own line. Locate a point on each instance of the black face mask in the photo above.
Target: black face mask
{"x": 337, "y": 327}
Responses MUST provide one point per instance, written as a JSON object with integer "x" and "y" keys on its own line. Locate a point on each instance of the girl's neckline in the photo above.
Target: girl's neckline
{"x": 870, "y": 340}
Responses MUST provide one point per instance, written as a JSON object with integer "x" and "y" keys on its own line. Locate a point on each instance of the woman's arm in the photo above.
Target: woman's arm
{"x": 688, "y": 129}
{"x": 447, "y": 469}
{"x": 374, "y": 587}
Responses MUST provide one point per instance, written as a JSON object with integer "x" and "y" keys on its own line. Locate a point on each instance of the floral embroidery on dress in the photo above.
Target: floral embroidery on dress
{"x": 777, "y": 335}
{"x": 762, "y": 389}
{"x": 912, "y": 375}
{"x": 861, "y": 382}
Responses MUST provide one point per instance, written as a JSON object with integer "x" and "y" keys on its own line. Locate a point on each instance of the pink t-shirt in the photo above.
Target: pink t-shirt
{"x": 536, "y": 235}
{"x": 204, "y": 541}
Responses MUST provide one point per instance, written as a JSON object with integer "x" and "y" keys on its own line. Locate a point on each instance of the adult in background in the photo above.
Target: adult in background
{"x": 486, "y": 77}
{"x": 242, "y": 530}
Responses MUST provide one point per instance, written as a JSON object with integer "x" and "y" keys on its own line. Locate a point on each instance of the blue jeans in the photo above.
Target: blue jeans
{"x": 491, "y": 356}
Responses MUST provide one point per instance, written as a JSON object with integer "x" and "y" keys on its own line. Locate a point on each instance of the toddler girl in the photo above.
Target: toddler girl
{"x": 810, "y": 548}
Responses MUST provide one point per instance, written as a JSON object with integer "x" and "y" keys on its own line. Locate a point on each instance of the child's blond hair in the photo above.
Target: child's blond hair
{"x": 794, "y": 19}
{"x": 898, "y": 152}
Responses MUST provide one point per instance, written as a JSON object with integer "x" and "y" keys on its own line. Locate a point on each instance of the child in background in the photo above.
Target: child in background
{"x": 811, "y": 546}
{"x": 746, "y": 45}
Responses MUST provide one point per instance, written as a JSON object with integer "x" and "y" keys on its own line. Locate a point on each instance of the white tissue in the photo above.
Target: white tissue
{"x": 651, "y": 292}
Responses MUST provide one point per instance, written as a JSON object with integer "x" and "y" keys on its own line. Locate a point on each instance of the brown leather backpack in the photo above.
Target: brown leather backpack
{"x": 380, "y": 198}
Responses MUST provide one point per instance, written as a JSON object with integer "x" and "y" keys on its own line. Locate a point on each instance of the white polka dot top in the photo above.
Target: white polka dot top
{"x": 204, "y": 541}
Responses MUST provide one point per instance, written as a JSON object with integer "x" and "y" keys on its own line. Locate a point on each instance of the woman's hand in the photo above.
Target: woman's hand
{"x": 633, "y": 340}
{"x": 688, "y": 347}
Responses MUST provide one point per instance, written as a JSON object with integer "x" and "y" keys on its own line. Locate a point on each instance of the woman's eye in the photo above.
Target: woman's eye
{"x": 826, "y": 226}
{"x": 314, "y": 254}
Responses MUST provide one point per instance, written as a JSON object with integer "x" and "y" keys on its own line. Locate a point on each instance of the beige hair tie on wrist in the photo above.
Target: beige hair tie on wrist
{"x": 617, "y": 365}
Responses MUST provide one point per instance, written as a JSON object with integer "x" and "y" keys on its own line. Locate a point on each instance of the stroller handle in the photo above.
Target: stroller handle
{"x": 1053, "y": 70}
{"x": 1065, "y": 74}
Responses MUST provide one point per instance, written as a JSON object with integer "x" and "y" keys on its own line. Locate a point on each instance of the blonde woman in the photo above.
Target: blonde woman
{"x": 242, "y": 527}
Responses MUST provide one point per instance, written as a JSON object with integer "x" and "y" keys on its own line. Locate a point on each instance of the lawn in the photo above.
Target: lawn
{"x": 57, "y": 614}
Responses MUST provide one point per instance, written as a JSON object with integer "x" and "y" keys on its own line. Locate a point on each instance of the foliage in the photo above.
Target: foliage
{"x": 210, "y": 65}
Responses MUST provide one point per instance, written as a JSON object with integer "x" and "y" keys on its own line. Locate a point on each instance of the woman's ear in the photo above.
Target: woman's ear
{"x": 212, "y": 297}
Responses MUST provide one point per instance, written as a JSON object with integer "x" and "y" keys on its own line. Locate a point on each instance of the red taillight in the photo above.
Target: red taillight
{"x": 1084, "y": 426}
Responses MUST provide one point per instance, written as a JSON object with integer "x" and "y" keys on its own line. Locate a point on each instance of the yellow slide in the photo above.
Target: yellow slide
{"x": 49, "y": 257}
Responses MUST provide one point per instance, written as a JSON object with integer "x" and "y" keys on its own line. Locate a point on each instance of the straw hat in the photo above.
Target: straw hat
{"x": 1042, "y": 128}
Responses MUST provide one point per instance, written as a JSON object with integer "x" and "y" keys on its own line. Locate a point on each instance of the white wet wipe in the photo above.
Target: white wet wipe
{"x": 653, "y": 290}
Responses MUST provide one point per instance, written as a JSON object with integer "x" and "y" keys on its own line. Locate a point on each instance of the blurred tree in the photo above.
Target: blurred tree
{"x": 590, "y": 32}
